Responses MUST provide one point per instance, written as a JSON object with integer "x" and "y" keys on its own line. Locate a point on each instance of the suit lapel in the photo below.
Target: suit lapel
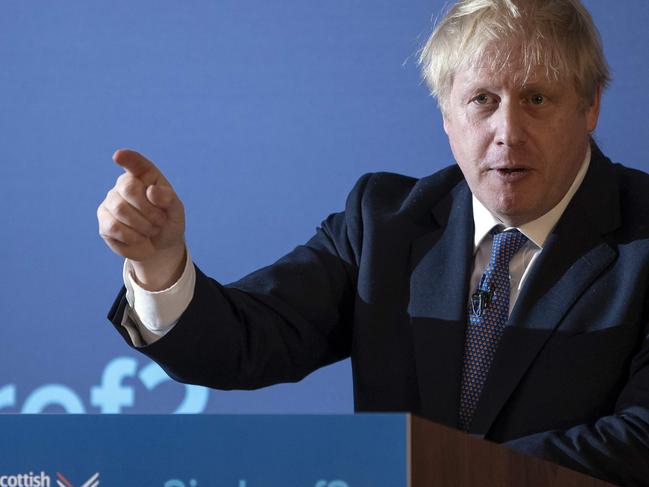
{"x": 574, "y": 255}
{"x": 441, "y": 261}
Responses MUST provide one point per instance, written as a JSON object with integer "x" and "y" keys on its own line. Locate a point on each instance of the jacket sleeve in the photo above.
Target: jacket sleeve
{"x": 615, "y": 447}
{"x": 277, "y": 324}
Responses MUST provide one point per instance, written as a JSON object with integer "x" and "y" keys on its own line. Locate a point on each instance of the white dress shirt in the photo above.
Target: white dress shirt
{"x": 536, "y": 231}
{"x": 155, "y": 313}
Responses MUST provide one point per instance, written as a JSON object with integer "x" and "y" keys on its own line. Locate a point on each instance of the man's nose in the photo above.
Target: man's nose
{"x": 510, "y": 125}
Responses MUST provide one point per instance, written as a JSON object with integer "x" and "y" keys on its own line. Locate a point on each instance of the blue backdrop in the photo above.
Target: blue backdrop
{"x": 250, "y": 107}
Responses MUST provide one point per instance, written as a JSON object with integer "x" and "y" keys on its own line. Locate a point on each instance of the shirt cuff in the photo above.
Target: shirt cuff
{"x": 157, "y": 312}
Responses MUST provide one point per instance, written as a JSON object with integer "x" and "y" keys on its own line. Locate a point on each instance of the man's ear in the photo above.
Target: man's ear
{"x": 444, "y": 120}
{"x": 592, "y": 111}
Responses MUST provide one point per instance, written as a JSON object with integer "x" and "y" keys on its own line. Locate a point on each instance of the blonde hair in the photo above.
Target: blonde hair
{"x": 556, "y": 35}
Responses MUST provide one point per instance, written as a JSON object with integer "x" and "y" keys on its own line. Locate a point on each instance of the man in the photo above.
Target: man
{"x": 506, "y": 296}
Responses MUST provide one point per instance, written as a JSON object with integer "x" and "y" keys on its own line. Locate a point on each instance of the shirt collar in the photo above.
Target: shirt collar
{"x": 536, "y": 231}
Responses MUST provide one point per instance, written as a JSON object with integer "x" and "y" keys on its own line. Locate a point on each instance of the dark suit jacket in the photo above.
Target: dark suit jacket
{"x": 386, "y": 282}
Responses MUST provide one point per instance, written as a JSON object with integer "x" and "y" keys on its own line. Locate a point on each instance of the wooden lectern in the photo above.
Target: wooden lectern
{"x": 444, "y": 457}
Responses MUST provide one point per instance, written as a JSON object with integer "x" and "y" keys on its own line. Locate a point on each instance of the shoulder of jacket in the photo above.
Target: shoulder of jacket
{"x": 393, "y": 192}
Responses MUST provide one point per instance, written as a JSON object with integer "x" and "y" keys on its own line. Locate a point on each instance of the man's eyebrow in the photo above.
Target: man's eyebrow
{"x": 543, "y": 87}
{"x": 535, "y": 85}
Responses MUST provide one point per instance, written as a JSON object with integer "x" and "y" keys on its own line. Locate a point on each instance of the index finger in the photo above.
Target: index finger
{"x": 136, "y": 164}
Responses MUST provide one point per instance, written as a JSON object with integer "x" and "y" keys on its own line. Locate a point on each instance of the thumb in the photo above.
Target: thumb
{"x": 165, "y": 197}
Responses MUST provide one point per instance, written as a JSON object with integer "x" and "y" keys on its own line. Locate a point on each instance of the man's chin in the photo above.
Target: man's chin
{"x": 514, "y": 213}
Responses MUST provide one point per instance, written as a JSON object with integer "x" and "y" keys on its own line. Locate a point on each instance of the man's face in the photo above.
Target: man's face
{"x": 518, "y": 145}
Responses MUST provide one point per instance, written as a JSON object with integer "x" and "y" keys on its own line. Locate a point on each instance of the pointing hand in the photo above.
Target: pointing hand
{"x": 142, "y": 219}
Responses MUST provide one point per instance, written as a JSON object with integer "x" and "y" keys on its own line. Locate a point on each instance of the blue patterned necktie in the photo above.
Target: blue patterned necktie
{"x": 488, "y": 314}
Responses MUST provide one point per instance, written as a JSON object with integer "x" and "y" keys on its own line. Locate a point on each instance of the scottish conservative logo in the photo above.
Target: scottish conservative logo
{"x": 61, "y": 481}
{"x": 44, "y": 480}
{"x": 25, "y": 480}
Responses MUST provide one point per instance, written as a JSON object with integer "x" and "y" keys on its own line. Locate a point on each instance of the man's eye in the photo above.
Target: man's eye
{"x": 481, "y": 99}
{"x": 537, "y": 99}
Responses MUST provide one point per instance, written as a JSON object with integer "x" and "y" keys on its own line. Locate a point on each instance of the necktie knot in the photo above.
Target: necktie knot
{"x": 505, "y": 246}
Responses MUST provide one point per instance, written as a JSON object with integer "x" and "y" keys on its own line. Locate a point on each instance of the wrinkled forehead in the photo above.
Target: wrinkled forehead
{"x": 513, "y": 62}
{"x": 510, "y": 76}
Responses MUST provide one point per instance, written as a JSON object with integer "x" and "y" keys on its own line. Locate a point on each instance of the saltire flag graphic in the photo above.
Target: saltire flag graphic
{"x": 61, "y": 481}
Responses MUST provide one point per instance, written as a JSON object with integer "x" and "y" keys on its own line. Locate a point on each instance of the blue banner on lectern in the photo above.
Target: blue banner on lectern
{"x": 203, "y": 451}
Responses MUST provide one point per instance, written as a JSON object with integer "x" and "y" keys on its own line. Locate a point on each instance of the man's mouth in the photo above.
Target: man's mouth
{"x": 511, "y": 173}
{"x": 510, "y": 170}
